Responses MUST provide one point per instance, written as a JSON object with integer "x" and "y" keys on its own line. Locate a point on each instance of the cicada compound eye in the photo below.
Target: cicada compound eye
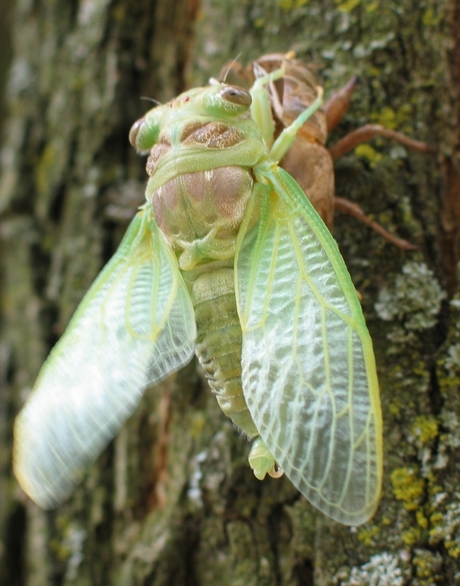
{"x": 236, "y": 95}
{"x": 134, "y": 132}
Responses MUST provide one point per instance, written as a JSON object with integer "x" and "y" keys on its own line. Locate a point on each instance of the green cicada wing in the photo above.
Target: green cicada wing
{"x": 134, "y": 327}
{"x": 308, "y": 368}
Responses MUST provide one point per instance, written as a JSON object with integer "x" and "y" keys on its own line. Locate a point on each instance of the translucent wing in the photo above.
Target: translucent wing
{"x": 134, "y": 327}
{"x": 309, "y": 375}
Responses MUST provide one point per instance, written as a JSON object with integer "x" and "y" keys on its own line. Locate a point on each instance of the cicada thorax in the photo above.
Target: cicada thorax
{"x": 307, "y": 160}
{"x": 200, "y": 214}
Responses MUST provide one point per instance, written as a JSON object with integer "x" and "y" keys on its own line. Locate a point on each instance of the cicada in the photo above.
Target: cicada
{"x": 228, "y": 259}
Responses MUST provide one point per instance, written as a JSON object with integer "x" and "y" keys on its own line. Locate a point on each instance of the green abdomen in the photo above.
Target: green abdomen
{"x": 219, "y": 342}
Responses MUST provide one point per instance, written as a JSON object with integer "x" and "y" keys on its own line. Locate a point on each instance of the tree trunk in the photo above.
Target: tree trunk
{"x": 172, "y": 501}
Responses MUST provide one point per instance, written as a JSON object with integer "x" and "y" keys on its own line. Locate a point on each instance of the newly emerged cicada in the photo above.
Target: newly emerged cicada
{"x": 227, "y": 259}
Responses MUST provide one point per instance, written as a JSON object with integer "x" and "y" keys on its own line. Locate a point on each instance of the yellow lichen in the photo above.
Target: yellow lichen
{"x": 386, "y": 117}
{"x": 291, "y": 4}
{"x": 411, "y": 536}
{"x": 453, "y": 549}
{"x": 347, "y": 5}
{"x": 374, "y": 71}
{"x": 394, "y": 407}
{"x": 372, "y": 6}
{"x": 425, "y": 428}
{"x": 366, "y": 535}
{"x": 422, "y": 521}
{"x": 408, "y": 487}
{"x": 365, "y": 151}
{"x": 430, "y": 18}
{"x": 427, "y": 565}
{"x": 436, "y": 518}
{"x": 392, "y": 119}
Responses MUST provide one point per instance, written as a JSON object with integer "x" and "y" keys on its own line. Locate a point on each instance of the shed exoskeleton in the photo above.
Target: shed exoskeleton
{"x": 308, "y": 159}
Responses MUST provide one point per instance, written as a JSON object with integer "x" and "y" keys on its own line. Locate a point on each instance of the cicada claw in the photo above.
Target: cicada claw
{"x": 276, "y": 471}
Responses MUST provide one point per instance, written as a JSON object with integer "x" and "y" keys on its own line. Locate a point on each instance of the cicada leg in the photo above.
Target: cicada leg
{"x": 284, "y": 141}
{"x": 261, "y": 111}
{"x": 369, "y": 131}
{"x": 262, "y": 462}
{"x": 262, "y": 115}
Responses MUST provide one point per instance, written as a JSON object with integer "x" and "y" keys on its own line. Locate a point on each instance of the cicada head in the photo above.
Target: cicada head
{"x": 216, "y": 101}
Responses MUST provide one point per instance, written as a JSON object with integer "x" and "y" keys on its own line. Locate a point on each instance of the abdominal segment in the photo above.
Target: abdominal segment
{"x": 219, "y": 342}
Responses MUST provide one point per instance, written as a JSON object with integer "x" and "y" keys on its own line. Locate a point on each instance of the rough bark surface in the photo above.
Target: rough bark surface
{"x": 172, "y": 500}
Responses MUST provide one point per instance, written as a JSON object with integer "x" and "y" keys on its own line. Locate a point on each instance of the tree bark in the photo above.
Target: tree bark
{"x": 172, "y": 501}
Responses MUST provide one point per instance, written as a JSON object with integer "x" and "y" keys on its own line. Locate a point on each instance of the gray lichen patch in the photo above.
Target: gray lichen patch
{"x": 413, "y": 298}
{"x": 381, "y": 570}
